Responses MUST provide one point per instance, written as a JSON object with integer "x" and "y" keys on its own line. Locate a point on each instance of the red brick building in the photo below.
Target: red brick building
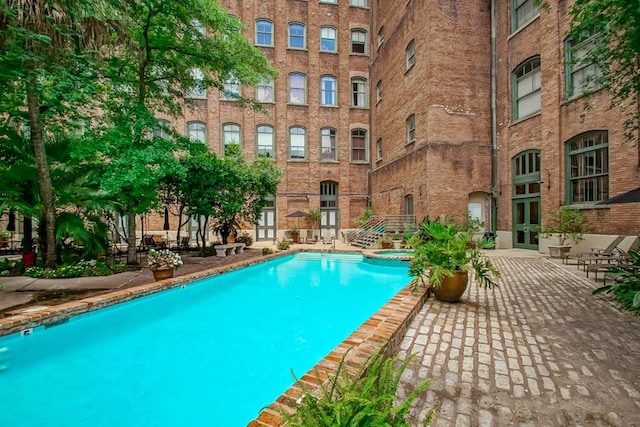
{"x": 426, "y": 108}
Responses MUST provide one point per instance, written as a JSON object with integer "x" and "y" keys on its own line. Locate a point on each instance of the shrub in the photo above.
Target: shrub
{"x": 267, "y": 251}
{"x": 163, "y": 258}
{"x": 626, "y": 286}
{"x": 80, "y": 269}
{"x": 367, "y": 398}
{"x": 245, "y": 238}
{"x": 11, "y": 268}
{"x": 283, "y": 246}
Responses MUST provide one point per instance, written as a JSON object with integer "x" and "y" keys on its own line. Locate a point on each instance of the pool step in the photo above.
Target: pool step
{"x": 3, "y": 359}
{"x": 330, "y": 256}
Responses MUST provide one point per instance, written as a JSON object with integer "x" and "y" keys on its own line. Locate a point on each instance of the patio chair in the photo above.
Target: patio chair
{"x": 595, "y": 251}
{"x": 616, "y": 257}
{"x": 311, "y": 238}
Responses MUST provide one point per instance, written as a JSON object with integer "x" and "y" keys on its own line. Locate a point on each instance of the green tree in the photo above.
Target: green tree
{"x": 46, "y": 70}
{"x": 172, "y": 48}
{"x": 616, "y": 51}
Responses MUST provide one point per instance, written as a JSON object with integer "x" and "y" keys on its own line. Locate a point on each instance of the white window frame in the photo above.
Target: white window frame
{"x": 358, "y": 38}
{"x": 359, "y": 92}
{"x": 198, "y": 91}
{"x": 328, "y": 144}
{"x": 231, "y": 89}
{"x": 297, "y": 89}
{"x": 197, "y": 132}
{"x": 260, "y": 32}
{"x": 359, "y": 3}
{"x": 291, "y": 36}
{"x": 229, "y": 130}
{"x": 265, "y": 91}
{"x": 325, "y": 35}
{"x": 265, "y": 140}
{"x": 328, "y": 95}
{"x": 299, "y": 138}
{"x": 527, "y": 88}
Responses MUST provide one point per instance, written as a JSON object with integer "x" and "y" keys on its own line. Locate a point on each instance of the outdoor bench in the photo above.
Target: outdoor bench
{"x": 228, "y": 249}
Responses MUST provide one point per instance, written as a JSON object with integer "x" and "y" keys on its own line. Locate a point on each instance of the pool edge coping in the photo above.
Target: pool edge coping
{"x": 382, "y": 332}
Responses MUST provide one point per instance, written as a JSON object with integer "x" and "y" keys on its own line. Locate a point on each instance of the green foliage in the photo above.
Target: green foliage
{"x": 245, "y": 238}
{"x": 412, "y": 242}
{"x": 284, "y": 245}
{"x": 446, "y": 249}
{"x": 616, "y": 25}
{"x": 408, "y": 232}
{"x": 365, "y": 217}
{"x": 366, "y": 398}
{"x": 81, "y": 269}
{"x": 567, "y": 224}
{"x": 314, "y": 216}
{"x": 11, "y": 268}
{"x": 267, "y": 251}
{"x": 626, "y": 286}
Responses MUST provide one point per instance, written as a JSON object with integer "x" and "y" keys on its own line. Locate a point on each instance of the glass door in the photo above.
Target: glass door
{"x": 526, "y": 223}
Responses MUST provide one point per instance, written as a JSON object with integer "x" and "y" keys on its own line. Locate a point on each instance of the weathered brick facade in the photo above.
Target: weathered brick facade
{"x": 448, "y": 92}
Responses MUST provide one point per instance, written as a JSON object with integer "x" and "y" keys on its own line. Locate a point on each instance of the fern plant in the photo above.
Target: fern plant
{"x": 366, "y": 398}
{"x": 626, "y": 286}
{"x": 448, "y": 250}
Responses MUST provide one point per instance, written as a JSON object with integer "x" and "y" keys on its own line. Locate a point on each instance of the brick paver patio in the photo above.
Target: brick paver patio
{"x": 539, "y": 351}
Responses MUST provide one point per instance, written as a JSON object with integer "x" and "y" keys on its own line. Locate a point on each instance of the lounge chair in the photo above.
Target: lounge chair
{"x": 595, "y": 251}
{"x": 310, "y": 237}
{"x": 597, "y": 263}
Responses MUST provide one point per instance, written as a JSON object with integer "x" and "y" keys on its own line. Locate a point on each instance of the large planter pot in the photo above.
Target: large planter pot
{"x": 295, "y": 237}
{"x": 397, "y": 244}
{"x": 452, "y": 287}
{"x": 557, "y": 251}
{"x": 385, "y": 245}
{"x": 29, "y": 258}
{"x": 162, "y": 273}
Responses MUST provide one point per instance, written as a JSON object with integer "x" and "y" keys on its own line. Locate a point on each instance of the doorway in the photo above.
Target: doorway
{"x": 526, "y": 206}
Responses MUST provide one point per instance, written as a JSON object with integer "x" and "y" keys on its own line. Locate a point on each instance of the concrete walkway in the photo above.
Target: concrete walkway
{"x": 538, "y": 351}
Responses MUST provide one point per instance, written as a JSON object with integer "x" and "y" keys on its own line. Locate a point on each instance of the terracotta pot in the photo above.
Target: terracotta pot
{"x": 386, "y": 245}
{"x": 162, "y": 273}
{"x": 452, "y": 287}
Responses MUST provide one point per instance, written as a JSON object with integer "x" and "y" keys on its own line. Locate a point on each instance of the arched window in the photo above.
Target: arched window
{"x": 264, "y": 32}
{"x": 328, "y": 39}
{"x": 265, "y": 141}
{"x": 359, "y": 92}
{"x": 358, "y": 41}
{"x": 297, "y": 88}
{"x": 527, "y": 88}
{"x": 588, "y": 167}
{"x": 328, "y": 144}
{"x": 297, "y": 39}
{"x": 359, "y": 150}
{"x": 297, "y": 143}
{"x": 197, "y": 132}
{"x": 230, "y": 134}
{"x": 328, "y": 90}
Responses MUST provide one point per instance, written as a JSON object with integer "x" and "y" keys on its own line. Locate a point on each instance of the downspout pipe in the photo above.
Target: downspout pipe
{"x": 494, "y": 123}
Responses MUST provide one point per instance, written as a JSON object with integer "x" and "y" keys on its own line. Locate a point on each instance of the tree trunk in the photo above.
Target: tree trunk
{"x": 131, "y": 239}
{"x": 44, "y": 177}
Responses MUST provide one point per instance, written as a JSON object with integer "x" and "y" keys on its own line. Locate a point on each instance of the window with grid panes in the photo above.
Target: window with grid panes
{"x": 359, "y": 152}
{"x": 328, "y": 144}
{"x": 588, "y": 167}
{"x": 358, "y": 41}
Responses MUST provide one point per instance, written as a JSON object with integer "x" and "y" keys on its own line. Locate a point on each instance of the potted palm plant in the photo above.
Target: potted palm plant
{"x": 444, "y": 258}
{"x": 566, "y": 224}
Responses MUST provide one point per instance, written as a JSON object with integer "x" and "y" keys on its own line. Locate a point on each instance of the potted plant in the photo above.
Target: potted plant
{"x": 445, "y": 257}
{"x": 295, "y": 234}
{"x": 567, "y": 224}
{"x": 386, "y": 242}
{"x": 397, "y": 242}
{"x": 314, "y": 219}
{"x": 163, "y": 262}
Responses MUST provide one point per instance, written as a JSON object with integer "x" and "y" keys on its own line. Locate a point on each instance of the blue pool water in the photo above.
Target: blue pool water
{"x": 212, "y": 353}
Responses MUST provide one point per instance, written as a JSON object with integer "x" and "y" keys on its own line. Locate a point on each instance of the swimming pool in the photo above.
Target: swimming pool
{"x": 213, "y": 353}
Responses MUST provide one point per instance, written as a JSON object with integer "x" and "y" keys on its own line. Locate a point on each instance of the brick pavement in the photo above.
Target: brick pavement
{"x": 538, "y": 351}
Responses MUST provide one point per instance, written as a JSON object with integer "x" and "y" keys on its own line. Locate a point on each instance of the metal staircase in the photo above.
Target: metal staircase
{"x": 368, "y": 235}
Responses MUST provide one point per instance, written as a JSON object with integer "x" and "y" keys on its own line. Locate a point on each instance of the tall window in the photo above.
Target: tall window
{"x": 328, "y": 39}
{"x": 197, "y": 132}
{"x": 230, "y": 134}
{"x": 328, "y": 149}
{"x": 265, "y": 141}
{"x": 231, "y": 90}
{"x": 328, "y": 194}
{"x": 411, "y": 128}
{"x": 264, "y": 91}
{"x": 581, "y": 76}
{"x": 379, "y": 91}
{"x": 297, "y": 88}
{"x": 379, "y": 149}
{"x": 198, "y": 89}
{"x": 359, "y": 3}
{"x": 359, "y": 152}
{"x": 264, "y": 32}
{"x": 161, "y": 130}
{"x": 523, "y": 11}
{"x": 297, "y": 143}
{"x": 358, "y": 41}
{"x": 381, "y": 36}
{"x": 527, "y": 88}
{"x": 358, "y": 92}
{"x": 408, "y": 204}
{"x": 410, "y": 54}
{"x": 588, "y": 167}
{"x": 296, "y": 36}
{"x": 328, "y": 90}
